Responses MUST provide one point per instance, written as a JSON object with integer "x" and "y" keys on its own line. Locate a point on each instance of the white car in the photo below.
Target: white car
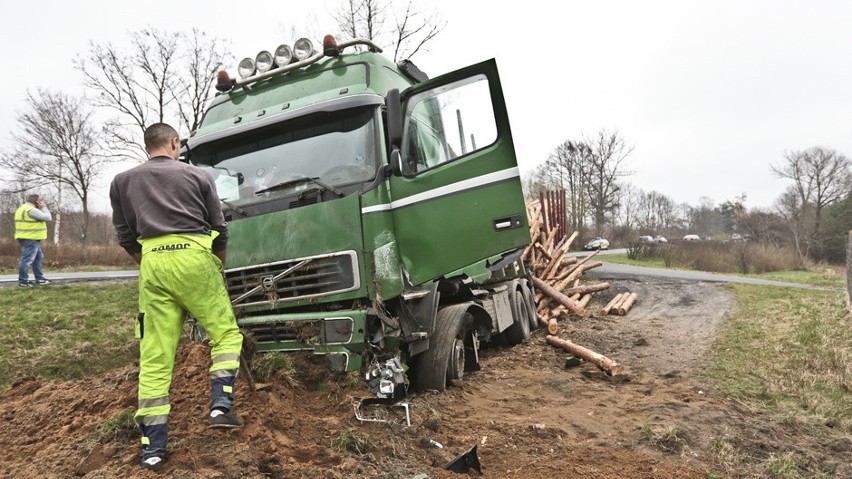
{"x": 646, "y": 239}
{"x": 599, "y": 243}
{"x": 660, "y": 239}
{"x": 692, "y": 238}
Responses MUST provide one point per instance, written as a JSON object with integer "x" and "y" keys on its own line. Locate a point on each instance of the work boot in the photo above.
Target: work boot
{"x": 221, "y": 418}
{"x": 153, "y": 459}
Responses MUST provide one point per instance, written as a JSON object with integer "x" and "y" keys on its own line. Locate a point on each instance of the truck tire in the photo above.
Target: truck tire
{"x": 520, "y": 328}
{"x": 529, "y": 296}
{"x": 445, "y": 359}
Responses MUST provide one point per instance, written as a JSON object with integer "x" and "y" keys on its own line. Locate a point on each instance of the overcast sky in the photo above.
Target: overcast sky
{"x": 709, "y": 93}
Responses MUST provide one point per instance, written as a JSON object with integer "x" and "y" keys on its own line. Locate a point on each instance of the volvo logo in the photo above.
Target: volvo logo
{"x": 268, "y": 283}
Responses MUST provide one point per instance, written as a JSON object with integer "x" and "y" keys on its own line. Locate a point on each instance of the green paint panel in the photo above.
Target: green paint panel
{"x": 307, "y": 231}
{"x": 449, "y": 233}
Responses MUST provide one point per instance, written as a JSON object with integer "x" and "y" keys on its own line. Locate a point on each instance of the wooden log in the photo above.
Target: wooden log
{"x": 609, "y": 366}
{"x": 540, "y": 249}
{"x": 614, "y": 301}
{"x": 552, "y": 267}
{"x": 552, "y": 326}
{"x": 568, "y": 261}
{"x": 585, "y": 299}
{"x": 625, "y": 305}
{"x": 589, "y": 288}
{"x": 547, "y": 289}
{"x": 542, "y": 320}
{"x": 575, "y": 296}
{"x": 614, "y": 309}
{"x": 587, "y": 267}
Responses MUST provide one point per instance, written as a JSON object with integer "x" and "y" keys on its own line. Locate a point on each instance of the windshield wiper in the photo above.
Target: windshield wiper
{"x": 234, "y": 207}
{"x": 299, "y": 181}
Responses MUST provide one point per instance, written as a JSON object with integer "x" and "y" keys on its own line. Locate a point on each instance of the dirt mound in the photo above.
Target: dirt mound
{"x": 529, "y": 417}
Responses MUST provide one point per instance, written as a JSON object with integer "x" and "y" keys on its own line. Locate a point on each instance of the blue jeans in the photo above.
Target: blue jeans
{"x": 31, "y": 255}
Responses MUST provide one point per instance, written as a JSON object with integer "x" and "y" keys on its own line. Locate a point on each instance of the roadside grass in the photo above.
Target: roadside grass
{"x": 819, "y": 276}
{"x": 66, "y": 331}
{"x": 72, "y": 269}
{"x": 623, "y": 259}
{"x": 787, "y": 352}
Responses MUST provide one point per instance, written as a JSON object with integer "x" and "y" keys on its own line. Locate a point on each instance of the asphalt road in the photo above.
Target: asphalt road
{"x": 607, "y": 271}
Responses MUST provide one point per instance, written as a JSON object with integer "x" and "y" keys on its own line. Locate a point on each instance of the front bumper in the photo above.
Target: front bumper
{"x": 338, "y": 335}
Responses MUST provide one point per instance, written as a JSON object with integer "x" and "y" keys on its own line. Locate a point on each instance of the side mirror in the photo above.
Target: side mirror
{"x": 394, "y": 120}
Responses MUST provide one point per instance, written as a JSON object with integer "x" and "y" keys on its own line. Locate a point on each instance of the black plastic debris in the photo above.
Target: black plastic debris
{"x": 466, "y": 461}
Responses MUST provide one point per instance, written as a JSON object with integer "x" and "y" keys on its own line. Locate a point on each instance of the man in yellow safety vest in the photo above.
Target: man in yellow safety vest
{"x": 30, "y": 229}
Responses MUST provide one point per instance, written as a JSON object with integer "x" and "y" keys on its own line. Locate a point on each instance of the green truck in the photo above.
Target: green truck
{"x": 376, "y": 215}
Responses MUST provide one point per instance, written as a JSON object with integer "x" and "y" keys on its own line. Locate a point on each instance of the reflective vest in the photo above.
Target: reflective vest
{"x": 26, "y": 227}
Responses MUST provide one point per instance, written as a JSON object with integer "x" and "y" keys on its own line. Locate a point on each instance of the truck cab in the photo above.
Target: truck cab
{"x": 376, "y": 216}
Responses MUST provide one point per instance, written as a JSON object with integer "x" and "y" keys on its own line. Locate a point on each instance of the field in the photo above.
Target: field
{"x": 723, "y": 382}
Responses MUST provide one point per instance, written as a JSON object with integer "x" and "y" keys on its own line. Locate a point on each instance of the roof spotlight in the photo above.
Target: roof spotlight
{"x": 283, "y": 55}
{"x": 303, "y": 49}
{"x": 263, "y": 61}
{"x": 246, "y": 67}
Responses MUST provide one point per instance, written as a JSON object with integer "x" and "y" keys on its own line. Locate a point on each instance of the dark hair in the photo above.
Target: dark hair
{"x": 159, "y": 135}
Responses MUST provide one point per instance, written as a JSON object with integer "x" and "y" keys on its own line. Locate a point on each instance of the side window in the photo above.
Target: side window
{"x": 448, "y": 122}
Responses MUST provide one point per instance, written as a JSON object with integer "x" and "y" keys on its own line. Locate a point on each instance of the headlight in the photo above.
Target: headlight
{"x": 246, "y": 68}
{"x": 303, "y": 49}
{"x": 263, "y": 60}
{"x": 283, "y": 55}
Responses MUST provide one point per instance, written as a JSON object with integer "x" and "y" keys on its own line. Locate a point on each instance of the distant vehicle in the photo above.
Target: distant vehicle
{"x": 660, "y": 239}
{"x": 599, "y": 243}
{"x": 646, "y": 239}
{"x": 737, "y": 237}
{"x": 691, "y": 238}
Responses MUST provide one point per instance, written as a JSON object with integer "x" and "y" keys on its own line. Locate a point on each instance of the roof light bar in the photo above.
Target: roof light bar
{"x": 288, "y": 59}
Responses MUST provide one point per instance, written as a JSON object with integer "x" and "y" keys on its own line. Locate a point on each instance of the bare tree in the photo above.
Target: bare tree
{"x": 202, "y": 58}
{"x": 163, "y": 77}
{"x": 407, "y": 29}
{"x": 821, "y": 176}
{"x": 604, "y": 168}
{"x": 57, "y": 144}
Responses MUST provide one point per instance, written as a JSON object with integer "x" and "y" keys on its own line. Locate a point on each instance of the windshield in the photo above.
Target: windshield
{"x": 337, "y": 148}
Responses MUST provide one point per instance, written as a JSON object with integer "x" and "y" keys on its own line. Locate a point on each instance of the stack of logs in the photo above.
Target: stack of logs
{"x": 557, "y": 281}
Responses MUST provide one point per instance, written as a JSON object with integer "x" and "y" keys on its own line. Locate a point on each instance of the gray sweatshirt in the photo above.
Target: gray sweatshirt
{"x": 163, "y": 196}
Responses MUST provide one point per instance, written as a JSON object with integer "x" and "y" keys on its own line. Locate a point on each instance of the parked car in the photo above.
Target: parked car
{"x": 599, "y": 243}
{"x": 646, "y": 239}
{"x": 737, "y": 237}
{"x": 691, "y": 238}
{"x": 660, "y": 239}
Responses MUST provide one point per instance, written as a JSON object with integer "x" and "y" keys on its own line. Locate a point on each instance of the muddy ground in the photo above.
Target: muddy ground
{"x": 529, "y": 416}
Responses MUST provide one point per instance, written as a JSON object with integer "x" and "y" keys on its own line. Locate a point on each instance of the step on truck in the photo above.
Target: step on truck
{"x": 376, "y": 216}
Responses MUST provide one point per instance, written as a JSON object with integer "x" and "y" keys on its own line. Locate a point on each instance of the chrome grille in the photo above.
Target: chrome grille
{"x": 295, "y": 279}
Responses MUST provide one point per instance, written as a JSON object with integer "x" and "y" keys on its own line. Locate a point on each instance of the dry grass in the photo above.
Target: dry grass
{"x": 64, "y": 256}
{"x": 722, "y": 257}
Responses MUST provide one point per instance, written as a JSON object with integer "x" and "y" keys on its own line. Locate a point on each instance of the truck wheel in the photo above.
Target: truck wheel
{"x": 529, "y": 298}
{"x": 520, "y": 328}
{"x": 445, "y": 359}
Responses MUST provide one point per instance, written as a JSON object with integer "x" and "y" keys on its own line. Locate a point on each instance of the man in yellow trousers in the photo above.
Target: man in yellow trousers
{"x": 167, "y": 216}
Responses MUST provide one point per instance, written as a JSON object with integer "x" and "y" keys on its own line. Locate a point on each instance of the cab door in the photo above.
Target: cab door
{"x": 458, "y": 200}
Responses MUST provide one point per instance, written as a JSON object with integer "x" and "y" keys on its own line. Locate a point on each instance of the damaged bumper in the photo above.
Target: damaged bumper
{"x": 338, "y": 335}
